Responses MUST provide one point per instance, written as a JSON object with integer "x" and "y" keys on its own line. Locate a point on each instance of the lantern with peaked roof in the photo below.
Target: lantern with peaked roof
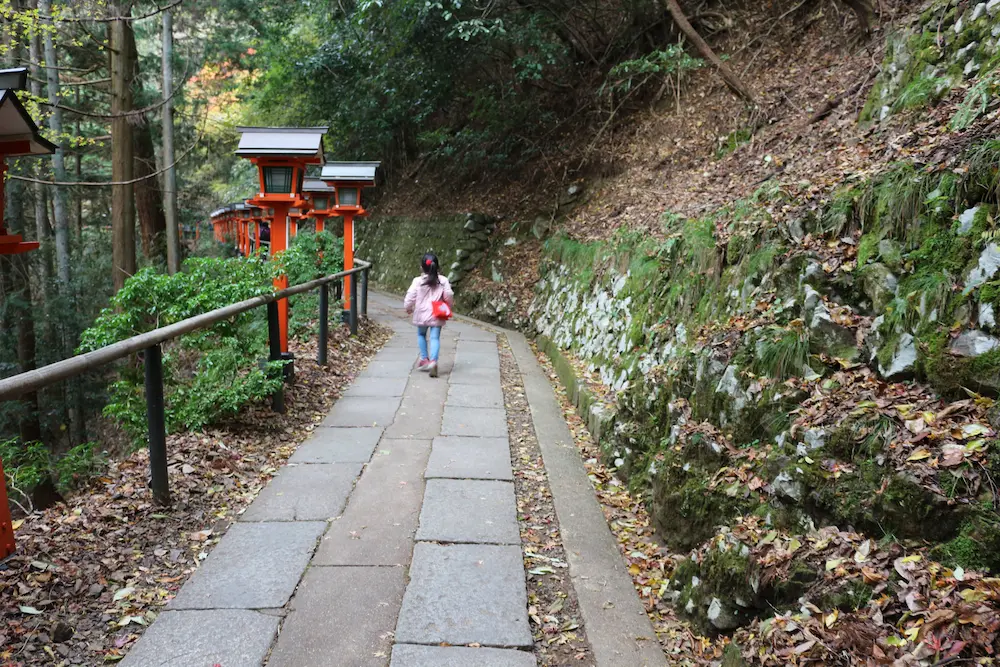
{"x": 18, "y": 137}
{"x": 348, "y": 179}
{"x": 281, "y": 155}
{"x": 322, "y": 198}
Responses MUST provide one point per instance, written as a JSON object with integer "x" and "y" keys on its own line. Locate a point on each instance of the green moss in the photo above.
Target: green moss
{"x": 891, "y": 205}
{"x": 726, "y": 572}
{"x": 868, "y": 247}
{"x": 951, "y": 375}
{"x": 977, "y": 547}
{"x": 781, "y": 353}
{"x": 686, "y": 511}
{"x": 852, "y": 596}
{"x": 732, "y": 141}
{"x": 571, "y": 253}
{"x": 981, "y": 182}
{"x": 839, "y": 214}
{"x": 732, "y": 656}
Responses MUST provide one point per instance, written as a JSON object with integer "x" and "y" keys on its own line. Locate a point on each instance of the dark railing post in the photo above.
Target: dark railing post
{"x": 364, "y": 293}
{"x": 354, "y": 305}
{"x": 274, "y": 344}
{"x": 324, "y": 322}
{"x": 155, "y": 420}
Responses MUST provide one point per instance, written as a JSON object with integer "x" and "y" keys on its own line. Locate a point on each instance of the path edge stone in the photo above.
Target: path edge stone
{"x": 616, "y": 622}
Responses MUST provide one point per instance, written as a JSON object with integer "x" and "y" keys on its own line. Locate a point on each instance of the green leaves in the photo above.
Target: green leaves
{"x": 209, "y": 374}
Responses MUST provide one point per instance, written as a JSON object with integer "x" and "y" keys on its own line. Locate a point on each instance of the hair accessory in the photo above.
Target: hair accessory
{"x": 428, "y": 262}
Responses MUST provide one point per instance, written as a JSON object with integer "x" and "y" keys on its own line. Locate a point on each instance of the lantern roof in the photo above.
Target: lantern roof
{"x": 316, "y": 185}
{"x": 18, "y": 132}
{"x": 281, "y": 141}
{"x": 350, "y": 171}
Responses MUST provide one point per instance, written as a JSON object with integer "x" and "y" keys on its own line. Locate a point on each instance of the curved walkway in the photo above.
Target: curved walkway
{"x": 393, "y": 531}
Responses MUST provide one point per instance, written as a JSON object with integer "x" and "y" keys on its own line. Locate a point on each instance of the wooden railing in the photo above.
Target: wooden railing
{"x": 149, "y": 345}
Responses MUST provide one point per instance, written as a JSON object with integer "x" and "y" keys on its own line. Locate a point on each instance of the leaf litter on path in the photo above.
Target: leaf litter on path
{"x": 553, "y": 610}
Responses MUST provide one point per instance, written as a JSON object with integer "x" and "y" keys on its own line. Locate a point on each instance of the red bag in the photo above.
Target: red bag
{"x": 441, "y": 310}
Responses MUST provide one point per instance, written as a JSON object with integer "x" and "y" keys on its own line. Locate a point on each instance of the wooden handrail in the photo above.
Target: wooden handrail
{"x": 18, "y": 385}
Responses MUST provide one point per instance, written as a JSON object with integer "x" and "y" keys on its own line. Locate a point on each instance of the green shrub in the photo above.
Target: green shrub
{"x": 209, "y": 374}
{"x": 310, "y": 256}
{"x": 25, "y": 466}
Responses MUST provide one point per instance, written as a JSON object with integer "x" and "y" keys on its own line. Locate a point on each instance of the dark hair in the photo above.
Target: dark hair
{"x": 429, "y": 265}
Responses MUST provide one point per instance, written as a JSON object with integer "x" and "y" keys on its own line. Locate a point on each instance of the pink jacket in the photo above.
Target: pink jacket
{"x": 420, "y": 296}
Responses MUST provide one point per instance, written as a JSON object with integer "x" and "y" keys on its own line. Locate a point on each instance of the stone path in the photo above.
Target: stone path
{"x": 391, "y": 531}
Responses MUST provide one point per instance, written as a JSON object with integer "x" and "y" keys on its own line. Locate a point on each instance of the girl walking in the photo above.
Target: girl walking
{"x": 430, "y": 300}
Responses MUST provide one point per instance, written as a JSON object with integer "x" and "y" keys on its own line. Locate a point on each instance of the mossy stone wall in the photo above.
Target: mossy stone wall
{"x": 395, "y": 246}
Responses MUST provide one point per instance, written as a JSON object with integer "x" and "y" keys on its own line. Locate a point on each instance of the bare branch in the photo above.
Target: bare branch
{"x": 112, "y": 19}
{"x": 103, "y": 184}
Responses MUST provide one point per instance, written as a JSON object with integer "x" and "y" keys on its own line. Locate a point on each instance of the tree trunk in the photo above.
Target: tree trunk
{"x": 60, "y": 210}
{"x": 863, "y": 9}
{"x": 733, "y": 81}
{"x": 60, "y": 215}
{"x": 44, "y": 254}
{"x": 148, "y": 198}
{"x": 122, "y": 152}
{"x": 170, "y": 175}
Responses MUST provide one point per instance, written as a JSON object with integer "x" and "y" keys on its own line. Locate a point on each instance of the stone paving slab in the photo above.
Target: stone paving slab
{"x": 306, "y": 492}
{"x": 475, "y": 375}
{"x": 230, "y": 637}
{"x": 358, "y": 411}
{"x": 381, "y": 518}
{"x": 465, "y": 594}
{"x": 477, "y": 422}
{"x": 254, "y": 566}
{"x": 477, "y": 347}
{"x": 419, "y": 415}
{"x": 475, "y": 396}
{"x": 400, "y": 353}
{"x": 338, "y": 445}
{"x": 458, "y": 457}
{"x": 465, "y": 363}
{"x": 469, "y": 511}
{"x": 471, "y": 333}
{"x": 389, "y": 369}
{"x": 342, "y": 617}
{"x": 410, "y": 655}
{"x": 367, "y": 387}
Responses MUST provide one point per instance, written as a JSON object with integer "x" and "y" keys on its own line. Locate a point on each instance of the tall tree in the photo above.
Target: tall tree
{"x": 170, "y": 175}
{"x": 59, "y": 208}
{"x": 148, "y": 198}
{"x": 122, "y": 150}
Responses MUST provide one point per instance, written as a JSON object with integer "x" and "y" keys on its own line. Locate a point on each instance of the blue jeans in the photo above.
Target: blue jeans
{"x": 432, "y": 333}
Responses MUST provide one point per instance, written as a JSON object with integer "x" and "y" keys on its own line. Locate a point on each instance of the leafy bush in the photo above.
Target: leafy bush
{"x": 668, "y": 65}
{"x": 74, "y": 468}
{"x": 310, "y": 256}
{"x": 25, "y": 466}
{"x": 208, "y": 374}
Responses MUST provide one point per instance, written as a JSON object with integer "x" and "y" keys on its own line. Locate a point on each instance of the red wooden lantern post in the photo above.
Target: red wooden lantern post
{"x": 347, "y": 179}
{"x": 258, "y": 217}
{"x": 281, "y": 155}
{"x": 18, "y": 137}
